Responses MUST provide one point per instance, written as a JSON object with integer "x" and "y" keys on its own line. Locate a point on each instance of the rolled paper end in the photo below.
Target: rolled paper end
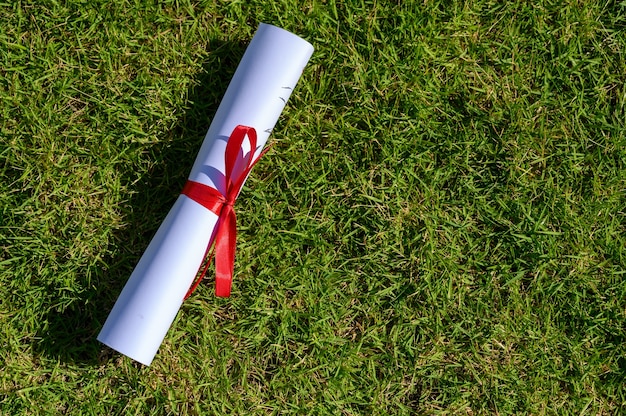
{"x": 286, "y": 33}
{"x": 150, "y": 300}
{"x": 144, "y": 356}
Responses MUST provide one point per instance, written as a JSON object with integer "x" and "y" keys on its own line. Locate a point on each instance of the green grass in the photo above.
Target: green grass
{"x": 440, "y": 227}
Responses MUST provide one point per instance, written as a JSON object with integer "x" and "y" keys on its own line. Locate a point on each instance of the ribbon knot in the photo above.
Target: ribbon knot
{"x": 223, "y": 207}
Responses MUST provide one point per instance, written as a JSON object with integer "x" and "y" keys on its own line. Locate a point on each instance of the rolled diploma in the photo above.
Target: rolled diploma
{"x": 256, "y": 95}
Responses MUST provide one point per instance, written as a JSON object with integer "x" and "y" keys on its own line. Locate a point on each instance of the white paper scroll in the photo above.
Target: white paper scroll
{"x": 257, "y": 94}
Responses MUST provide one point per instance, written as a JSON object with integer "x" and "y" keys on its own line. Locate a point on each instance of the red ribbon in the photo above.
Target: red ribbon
{"x": 222, "y": 206}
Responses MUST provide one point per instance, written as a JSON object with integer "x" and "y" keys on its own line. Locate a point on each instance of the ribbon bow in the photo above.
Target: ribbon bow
{"x": 222, "y": 206}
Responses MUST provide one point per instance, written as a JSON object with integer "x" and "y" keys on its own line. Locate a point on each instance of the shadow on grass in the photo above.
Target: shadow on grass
{"x": 70, "y": 336}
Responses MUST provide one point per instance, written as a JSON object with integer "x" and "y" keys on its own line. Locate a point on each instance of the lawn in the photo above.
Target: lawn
{"x": 439, "y": 228}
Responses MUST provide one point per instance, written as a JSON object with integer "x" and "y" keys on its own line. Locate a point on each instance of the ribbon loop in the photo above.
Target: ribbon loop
{"x": 222, "y": 206}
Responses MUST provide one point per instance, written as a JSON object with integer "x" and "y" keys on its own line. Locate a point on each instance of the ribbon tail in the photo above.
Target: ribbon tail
{"x": 225, "y": 244}
{"x": 222, "y": 206}
{"x": 208, "y": 256}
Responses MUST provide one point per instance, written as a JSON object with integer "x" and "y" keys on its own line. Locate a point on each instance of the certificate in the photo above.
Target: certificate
{"x": 255, "y": 98}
